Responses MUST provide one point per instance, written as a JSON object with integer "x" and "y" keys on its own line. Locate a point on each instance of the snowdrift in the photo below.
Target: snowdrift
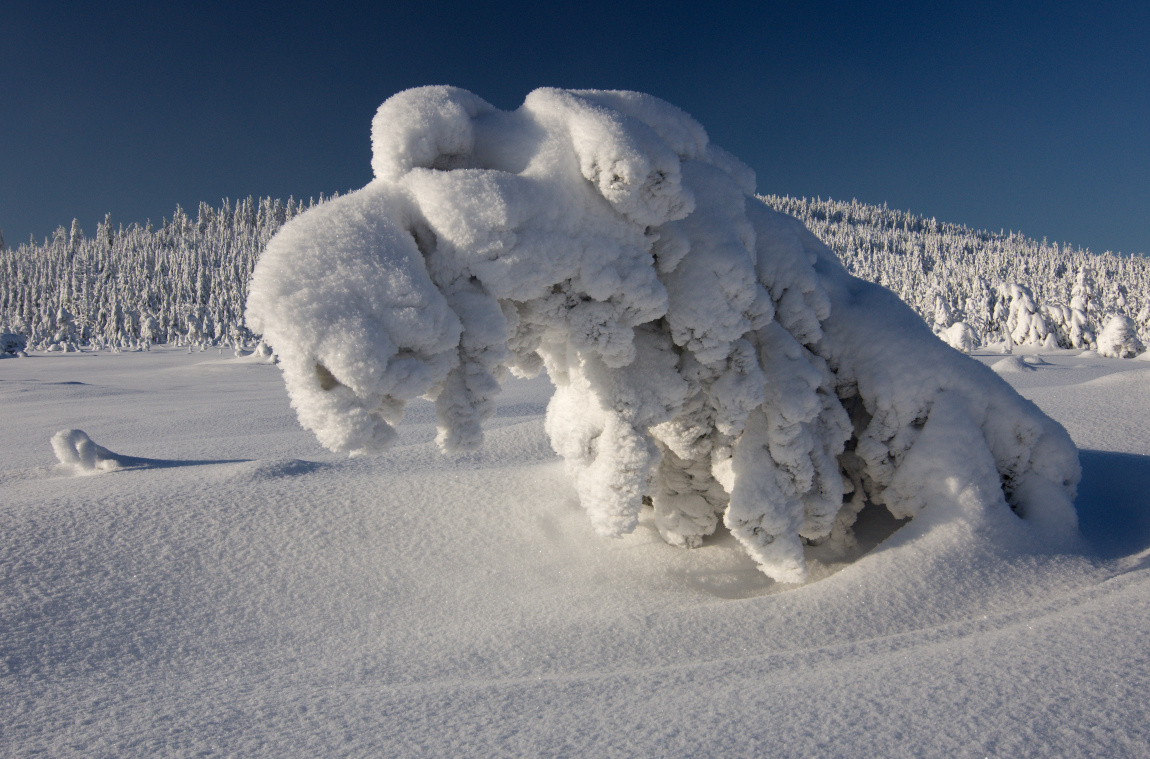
{"x": 711, "y": 357}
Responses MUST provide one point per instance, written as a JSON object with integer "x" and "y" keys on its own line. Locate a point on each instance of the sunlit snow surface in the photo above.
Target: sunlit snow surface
{"x": 233, "y": 589}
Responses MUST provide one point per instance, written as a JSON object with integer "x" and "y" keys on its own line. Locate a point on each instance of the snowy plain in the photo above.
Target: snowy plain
{"x": 238, "y": 590}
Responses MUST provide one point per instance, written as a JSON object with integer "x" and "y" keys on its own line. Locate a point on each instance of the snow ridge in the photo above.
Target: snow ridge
{"x": 710, "y": 355}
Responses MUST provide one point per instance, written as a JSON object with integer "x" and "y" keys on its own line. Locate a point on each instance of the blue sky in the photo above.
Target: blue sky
{"x": 1034, "y": 117}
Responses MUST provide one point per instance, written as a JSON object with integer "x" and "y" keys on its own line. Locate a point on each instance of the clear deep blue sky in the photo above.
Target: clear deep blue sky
{"x": 1033, "y": 117}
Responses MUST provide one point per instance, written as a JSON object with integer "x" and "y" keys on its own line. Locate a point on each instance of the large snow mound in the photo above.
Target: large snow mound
{"x": 710, "y": 355}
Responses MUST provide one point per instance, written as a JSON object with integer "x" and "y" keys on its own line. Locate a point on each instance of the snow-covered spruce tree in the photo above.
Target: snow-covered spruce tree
{"x": 1022, "y": 321}
{"x": 1142, "y": 321}
{"x": 1119, "y": 339}
{"x": 1070, "y": 326}
{"x": 958, "y": 336}
{"x": 709, "y": 354}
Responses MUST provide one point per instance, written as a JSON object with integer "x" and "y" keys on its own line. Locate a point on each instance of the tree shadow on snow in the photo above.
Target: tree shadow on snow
{"x": 79, "y": 453}
{"x": 1113, "y": 508}
{"x": 1114, "y": 502}
{"x": 138, "y": 462}
{"x": 873, "y": 525}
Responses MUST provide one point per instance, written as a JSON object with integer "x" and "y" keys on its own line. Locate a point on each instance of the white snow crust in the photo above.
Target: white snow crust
{"x": 709, "y": 354}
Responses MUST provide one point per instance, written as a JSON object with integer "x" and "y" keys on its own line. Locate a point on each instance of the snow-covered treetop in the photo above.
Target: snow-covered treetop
{"x": 710, "y": 355}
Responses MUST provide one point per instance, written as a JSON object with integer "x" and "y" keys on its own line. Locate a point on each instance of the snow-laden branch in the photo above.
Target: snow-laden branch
{"x": 709, "y": 354}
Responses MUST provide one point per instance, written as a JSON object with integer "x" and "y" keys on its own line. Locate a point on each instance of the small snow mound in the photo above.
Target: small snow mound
{"x": 1034, "y": 360}
{"x": 1012, "y": 365}
{"x": 264, "y": 353}
{"x": 77, "y": 451}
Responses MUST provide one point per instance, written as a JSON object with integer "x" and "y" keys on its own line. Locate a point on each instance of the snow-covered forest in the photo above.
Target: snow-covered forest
{"x": 185, "y": 281}
{"x": 998, "y": 285}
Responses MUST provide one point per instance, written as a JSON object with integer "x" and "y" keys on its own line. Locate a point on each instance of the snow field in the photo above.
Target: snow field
{"x": 243, "y": 591}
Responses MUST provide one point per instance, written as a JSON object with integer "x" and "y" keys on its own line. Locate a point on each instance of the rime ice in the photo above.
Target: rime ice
{"x": 710, "y": 355}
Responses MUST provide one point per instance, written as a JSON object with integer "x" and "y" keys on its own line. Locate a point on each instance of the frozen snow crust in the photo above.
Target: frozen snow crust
{"x": 709, "y": 354}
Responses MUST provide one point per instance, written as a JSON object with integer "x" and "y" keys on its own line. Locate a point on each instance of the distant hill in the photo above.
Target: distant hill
{"x": 950, "y": 273}
{"x": 185, "y": 281}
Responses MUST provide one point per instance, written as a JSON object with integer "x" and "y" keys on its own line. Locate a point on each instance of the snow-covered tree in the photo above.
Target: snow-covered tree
{"x": 1143, "y": 323}
{"x": 1082, "y": 295}
{"x": 959, "y": 336}
{"x": 1070, "y": 325}
{"x": 1119, "y": 339}
{"x": 1022, "y": 321}
{"x": 75, "y": 237}
{"x": 12, "y": 343}
{"x": 710, "y": 355}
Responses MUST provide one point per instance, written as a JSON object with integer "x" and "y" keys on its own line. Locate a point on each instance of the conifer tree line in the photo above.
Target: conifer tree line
{"x": 185, "y": 282}
{"x": 182, "y": 283}
{"x": 977, "y": 287}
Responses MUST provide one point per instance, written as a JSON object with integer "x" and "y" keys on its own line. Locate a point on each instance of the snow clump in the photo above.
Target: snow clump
{"x": 76, "y": 451}
{"x": 711, "y": 357}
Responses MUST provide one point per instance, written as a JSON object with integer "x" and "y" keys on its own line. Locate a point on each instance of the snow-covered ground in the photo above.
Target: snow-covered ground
{"x": 234, "y": 589}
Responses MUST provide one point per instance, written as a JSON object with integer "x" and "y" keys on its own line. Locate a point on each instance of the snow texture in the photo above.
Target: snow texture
{"x": 247, "y": 593}
{"x": 710, "y": 355}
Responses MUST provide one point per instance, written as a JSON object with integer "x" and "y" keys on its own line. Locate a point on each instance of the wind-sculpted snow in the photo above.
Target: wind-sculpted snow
{"x": 77, "y": 452}
{"x": 711, "y": 357}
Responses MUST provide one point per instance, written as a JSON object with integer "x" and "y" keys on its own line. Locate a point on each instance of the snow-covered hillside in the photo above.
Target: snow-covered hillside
{"x": 237, "y": 590}
{"x": 185, "y": 280}
{"x": 1001, "y": 286}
